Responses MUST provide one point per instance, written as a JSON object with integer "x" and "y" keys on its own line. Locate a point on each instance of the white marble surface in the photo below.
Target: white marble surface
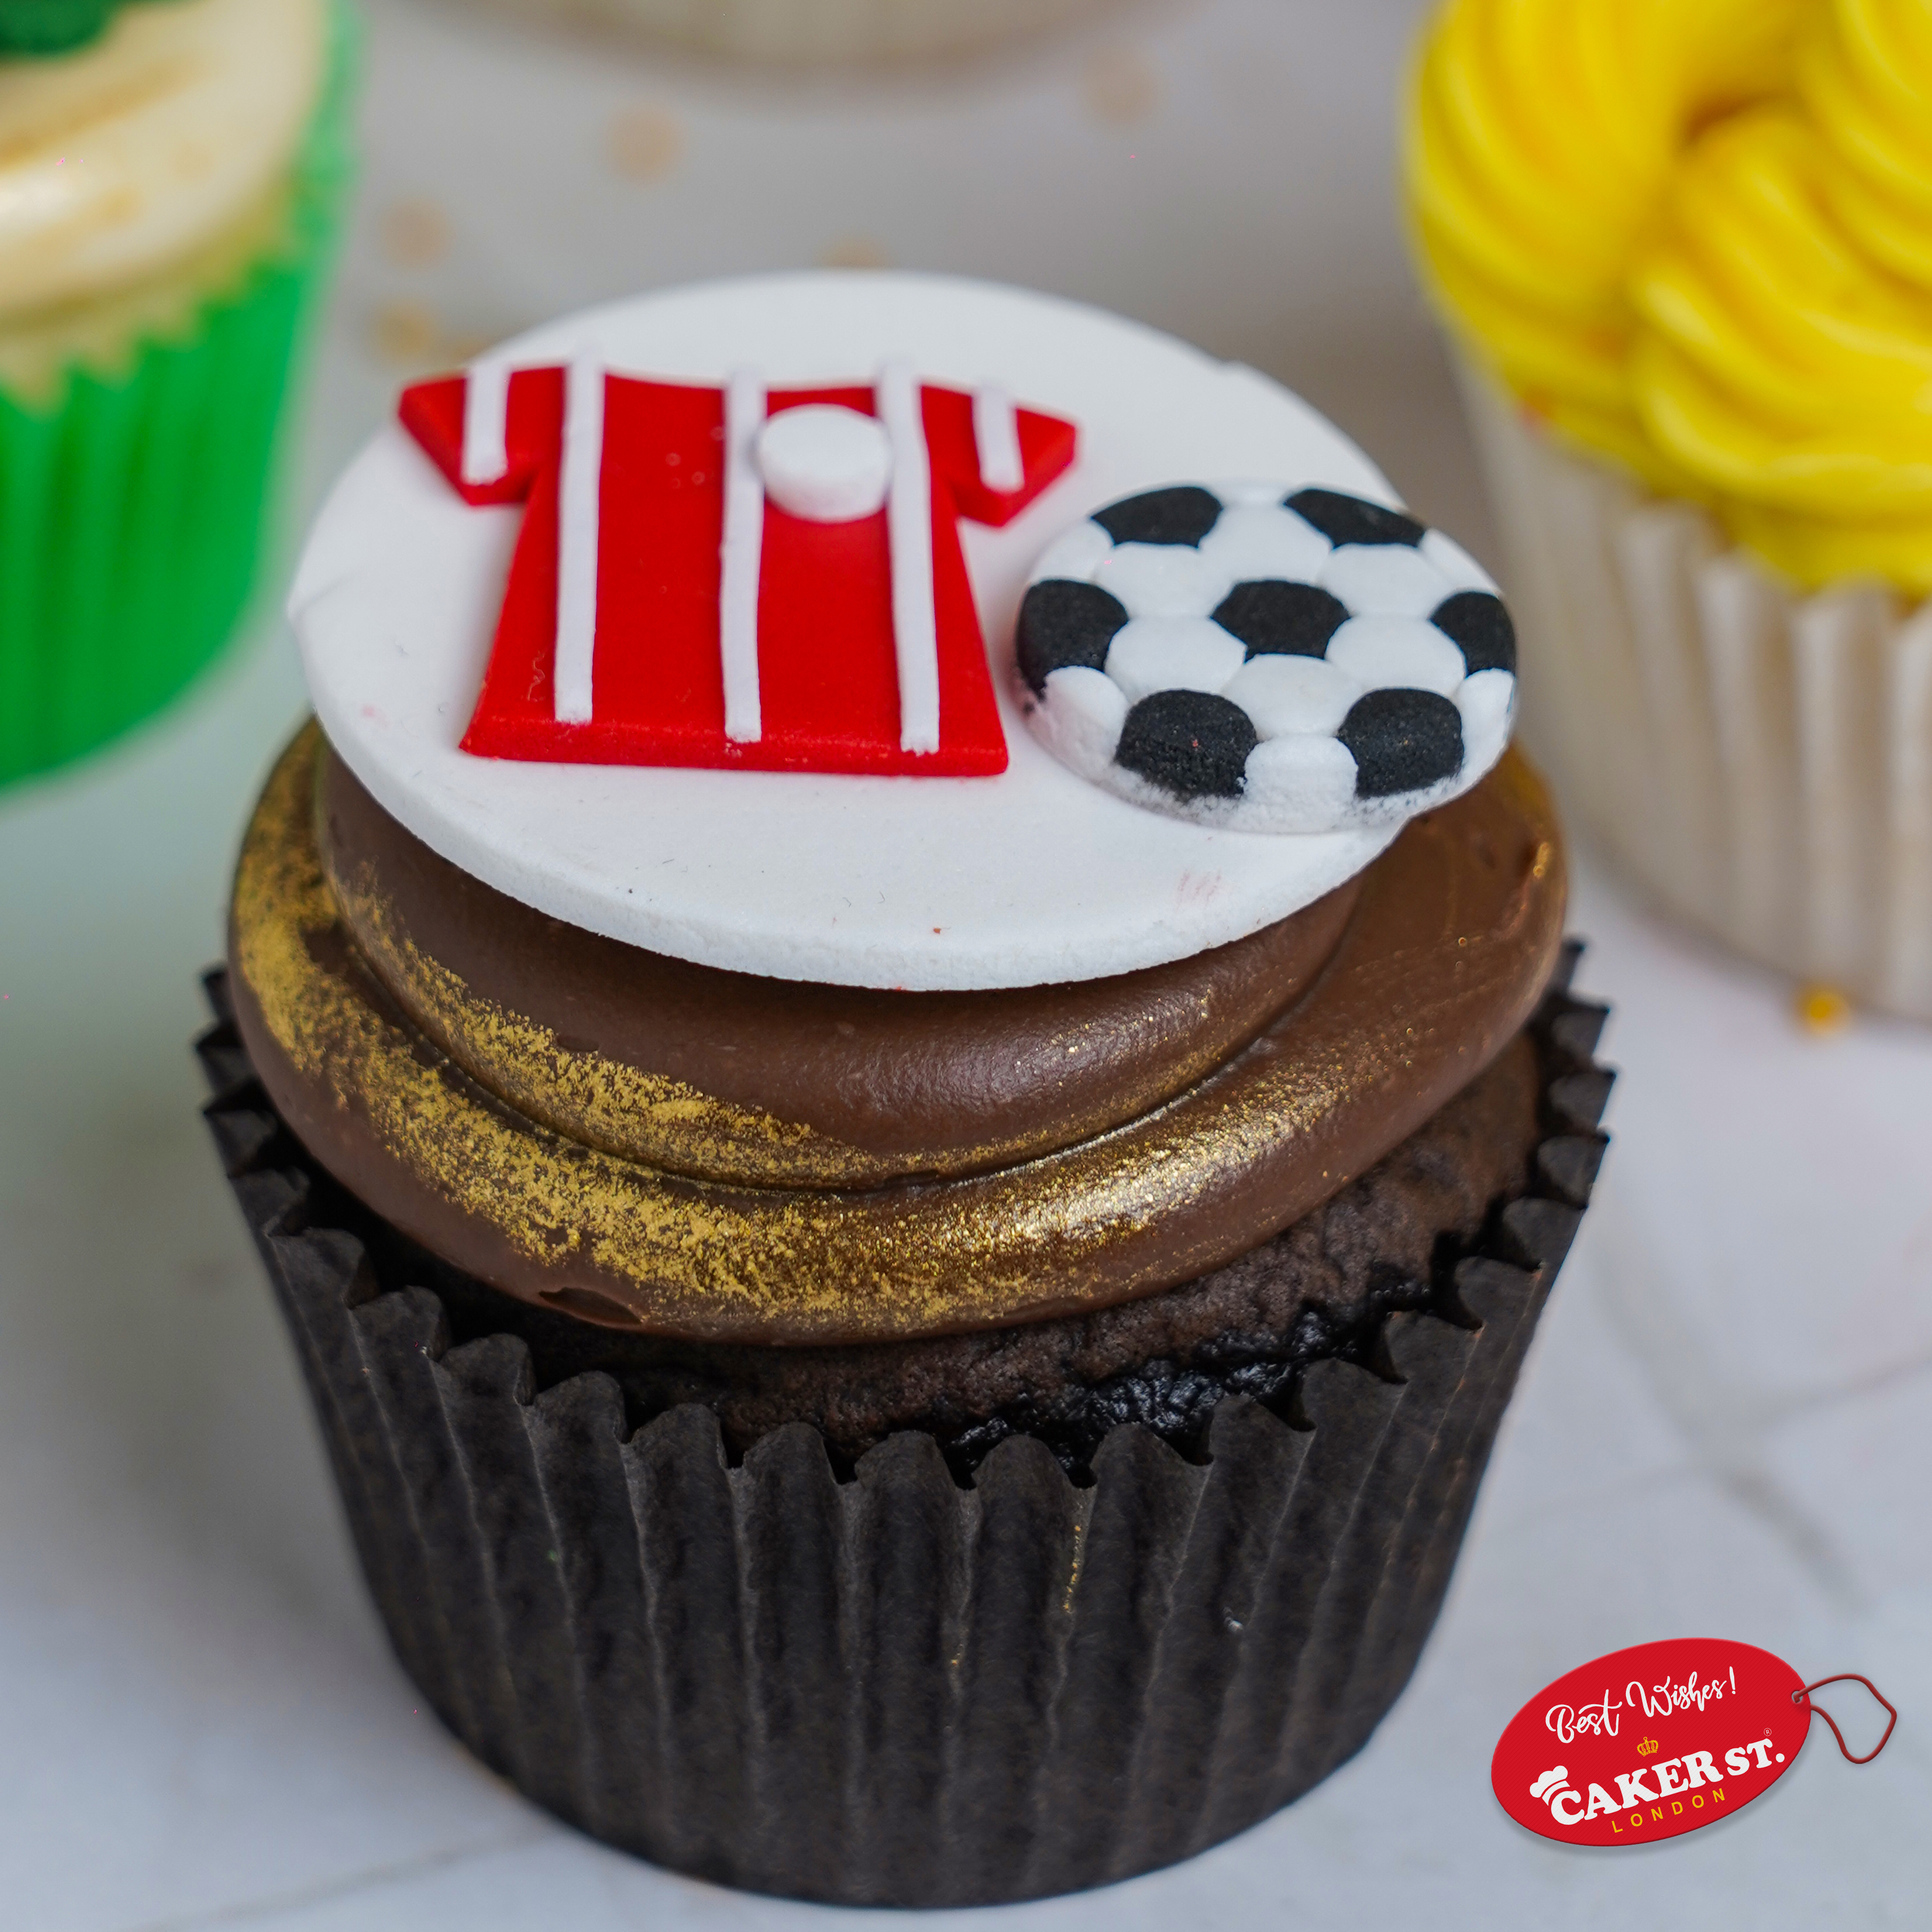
{"x": 1724, "y": 1426}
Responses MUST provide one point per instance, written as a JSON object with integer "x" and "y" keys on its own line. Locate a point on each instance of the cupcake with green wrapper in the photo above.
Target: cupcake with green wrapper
{"x": 171, "y": 173}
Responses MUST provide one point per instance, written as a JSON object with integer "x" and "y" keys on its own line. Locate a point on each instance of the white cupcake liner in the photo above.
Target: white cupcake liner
{"x": 814, "y": 33}
{"x": 1759, "y": 760}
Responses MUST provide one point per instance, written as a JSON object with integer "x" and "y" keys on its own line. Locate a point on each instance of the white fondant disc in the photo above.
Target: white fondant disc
{"x": 927, "y": 884}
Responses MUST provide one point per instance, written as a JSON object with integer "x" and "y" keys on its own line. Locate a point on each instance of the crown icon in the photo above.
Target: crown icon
{"x": 1647, "y": 1748}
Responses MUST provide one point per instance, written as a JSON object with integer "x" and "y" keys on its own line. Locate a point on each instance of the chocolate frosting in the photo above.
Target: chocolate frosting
{"x": 1452, "y": 937}
{"x": 730, "y": 1077}
{"x": 1388, "y": 1240}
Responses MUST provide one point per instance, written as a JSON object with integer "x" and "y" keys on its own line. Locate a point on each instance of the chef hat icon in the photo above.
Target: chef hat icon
{"x": 1545, "y": 1786}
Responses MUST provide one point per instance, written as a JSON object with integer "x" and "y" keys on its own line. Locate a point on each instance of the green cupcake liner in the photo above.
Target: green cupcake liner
{"x": 134, "y": 506}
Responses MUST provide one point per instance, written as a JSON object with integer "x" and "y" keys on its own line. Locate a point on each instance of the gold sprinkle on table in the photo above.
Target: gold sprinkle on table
{"x": 1119, "y": 87}
{"x": 644, "y": 143}
{"x": 415, "y": 233}
{"x": 405, "y": 335}
{"x": 854, "y": 251}
{"x": 1822, "y": 1010}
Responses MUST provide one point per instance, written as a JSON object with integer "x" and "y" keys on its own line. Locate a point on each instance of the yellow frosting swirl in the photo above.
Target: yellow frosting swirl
{"x": 1697, "y": 236}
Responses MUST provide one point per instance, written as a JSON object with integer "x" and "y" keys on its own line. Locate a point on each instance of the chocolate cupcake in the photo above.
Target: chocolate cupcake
{"x": 908, "y": 1309}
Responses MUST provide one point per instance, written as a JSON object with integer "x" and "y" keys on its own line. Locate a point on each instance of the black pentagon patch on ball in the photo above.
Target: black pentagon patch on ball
{"x": 1352, "y": 520}
{"x": 1063, "y": 623}
{"x": 1402, "y": 740}
{"x": 1183, "y": 514}
{"x": 1190, "y": 743}
{"x": 1271, "y": 615}
{"x": 1478, "y": 622}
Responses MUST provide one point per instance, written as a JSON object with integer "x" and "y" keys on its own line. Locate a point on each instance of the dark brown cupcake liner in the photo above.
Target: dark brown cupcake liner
{"x": 894, "y": 1689}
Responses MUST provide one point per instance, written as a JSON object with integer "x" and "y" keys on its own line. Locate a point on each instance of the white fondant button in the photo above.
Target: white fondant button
{"x": 825, "y": 463}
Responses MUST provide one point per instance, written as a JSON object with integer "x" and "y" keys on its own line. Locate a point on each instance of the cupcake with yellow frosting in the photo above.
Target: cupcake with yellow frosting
{"x": 171, "y": 174}
{"x": 1684, "y": 247}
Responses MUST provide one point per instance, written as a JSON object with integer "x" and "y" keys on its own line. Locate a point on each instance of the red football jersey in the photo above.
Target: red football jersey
{"x": 646, "y": 622}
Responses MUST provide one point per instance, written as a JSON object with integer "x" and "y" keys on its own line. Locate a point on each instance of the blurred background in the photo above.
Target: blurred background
{"x": 1723, "y": 1427}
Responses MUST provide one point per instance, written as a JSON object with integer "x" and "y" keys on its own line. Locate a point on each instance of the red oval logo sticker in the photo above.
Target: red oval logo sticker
{"x": 1650, "y": 1742}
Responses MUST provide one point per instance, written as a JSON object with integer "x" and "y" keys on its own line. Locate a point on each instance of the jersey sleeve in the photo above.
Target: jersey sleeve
{"x": 435, "y": 413}
{"x": 1047, "y": 446}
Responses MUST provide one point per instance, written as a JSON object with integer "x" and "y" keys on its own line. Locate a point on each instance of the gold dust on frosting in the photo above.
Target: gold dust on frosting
{"x": 921, "y": 1258}
{"x": 687, "y": 1257}
{"x": 649, "y": 1117}
{"x": 640, "y": 1116}
{"x": 682, "y": 1254}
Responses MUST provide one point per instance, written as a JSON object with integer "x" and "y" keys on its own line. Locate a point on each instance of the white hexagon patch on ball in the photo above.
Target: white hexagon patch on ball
{"x": 1266, "y": 658}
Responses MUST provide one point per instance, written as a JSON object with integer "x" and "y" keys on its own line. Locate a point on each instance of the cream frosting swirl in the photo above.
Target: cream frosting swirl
{"x": 1697, "y": 235}
{"x": 137, "y": 151}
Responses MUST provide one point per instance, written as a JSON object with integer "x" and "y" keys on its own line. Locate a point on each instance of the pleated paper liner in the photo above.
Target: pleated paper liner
{"x": 134, "y": 504}
{"x": 1760, "y": 761}
{"x": 895, "y": 1689}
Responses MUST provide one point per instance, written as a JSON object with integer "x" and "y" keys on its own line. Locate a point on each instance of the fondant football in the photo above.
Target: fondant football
{"x": 1267, "y": 658}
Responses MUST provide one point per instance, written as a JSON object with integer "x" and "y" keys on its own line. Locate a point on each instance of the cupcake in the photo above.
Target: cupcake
{"x": 818, "y": 33}
{"x": 1684, "y": 253}
{"x": 909, "y": 1255}
{"x": 170, "y": 181}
